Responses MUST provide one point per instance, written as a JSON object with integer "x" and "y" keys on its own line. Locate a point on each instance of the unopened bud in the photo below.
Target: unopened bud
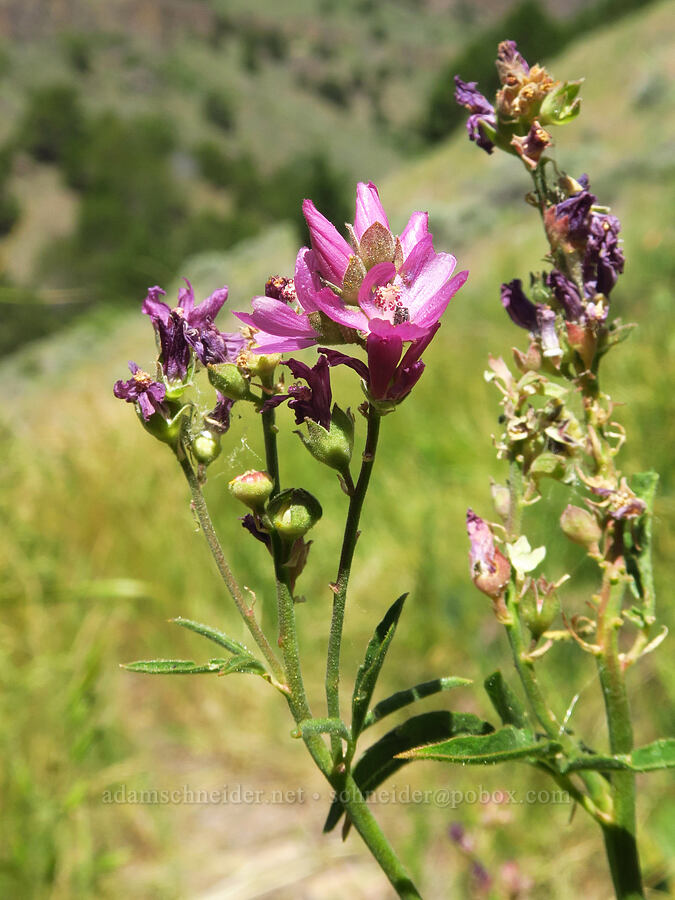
{"x": 166, "y": 430}
{"x": 581, "y": 526}
{"x": 582, "y": 339}
{"x": 293, "y": 512}
{"x": 501, "y": 499}
{"x": 333, "y": 447}
{"x": 252, "y": 488}
{"x": 539, "y": 606}
{"x": 205, "y": 447}
{"x": 260, "y": 363}
{"x": 230, "y": 381}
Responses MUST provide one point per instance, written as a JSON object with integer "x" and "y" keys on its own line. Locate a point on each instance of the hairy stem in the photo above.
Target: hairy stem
{"x": 351, "y": 534}
{"x": 620, "y": 836}
{"x": 245, "y": 611}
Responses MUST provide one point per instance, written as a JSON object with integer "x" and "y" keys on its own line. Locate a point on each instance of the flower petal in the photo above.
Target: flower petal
{"x": 416, "y": 230}
{"x": 154, "y": 307}
{"x": 368, "y": 209}
{"x": 208, "y": 309}
{"x": 274, "y": 317}
{"x": 433, "y": 309}
{"x": 383, "y": 356}
{"x": 186, "y": 298}
{"x": 331, "y": 249}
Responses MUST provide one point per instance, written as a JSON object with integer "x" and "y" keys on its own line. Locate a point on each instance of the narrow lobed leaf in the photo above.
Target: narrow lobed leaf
{"x": 369, "y": 670}
{"x": 173, "y": 666}
{"x": 412, "y": 695}
{"x": 506, "y": 743}
{"x": 325, "y": 726}
{"x": 218, "y": 637}
{"x": 507, "y": 705}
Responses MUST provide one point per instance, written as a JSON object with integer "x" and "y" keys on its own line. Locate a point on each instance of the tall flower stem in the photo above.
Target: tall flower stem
{"x": 353, "y": 799}
{"x": 341, "y": 585}
{"x": 231, "y": 583}
{"x": 620, "y": 836}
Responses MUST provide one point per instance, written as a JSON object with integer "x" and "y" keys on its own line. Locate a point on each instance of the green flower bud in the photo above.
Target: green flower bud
{"x": 205, "y": 447}
{"x": 259, "y": 363}
{"x": 230, "y": 381}
{"x": 252, "y": 488}
{"x": 167, "y": 431}
{"x": 501, "y": 500}
{"x": 561, "y": 105}
{"x": 581, "y": 526}
{"x": 539, "y": 606}
{"x": 334, "y": 447}
{"x": 293, "y": 512}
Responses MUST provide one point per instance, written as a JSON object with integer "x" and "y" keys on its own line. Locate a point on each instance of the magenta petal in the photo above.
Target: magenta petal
{"x": 430, "y": 278}
{"x": 306, "y": 279}
{"x": 337, "y": 358}
{"x": 416, "y": 230}
{"x": 383, "y": 357}
{"x": 421, "y": 255}
{"x": 154, "y": 307}
{"x": 368, "y": 209}
{"x": 331, "y": 249}
{"x": 274, "y": 317}
{"x": 186, "y": 297}
{"x": 434, "y": 308}
{"x": 208, "y": 309}
{"x": 272, "y": 343}
{"x": 350, "y": 316}
{"x": 406, "y": 331}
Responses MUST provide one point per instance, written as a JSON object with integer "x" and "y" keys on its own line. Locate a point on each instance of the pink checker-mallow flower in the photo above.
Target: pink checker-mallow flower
{"x": 391, "y": 287}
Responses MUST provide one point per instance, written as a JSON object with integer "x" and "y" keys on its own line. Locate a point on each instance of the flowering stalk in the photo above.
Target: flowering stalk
{"x": 341, "y": 584}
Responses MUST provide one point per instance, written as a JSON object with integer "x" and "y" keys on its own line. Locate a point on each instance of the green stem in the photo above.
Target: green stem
{"x": 599, "y": 802}
{"x": 354, "y": 802}
{"x": 245, "y": 611}
{"x": 620, "y": 836}
{"x": 358, "y": 811}
{"x": 270, "y": 437}
{"x": 351, "y": 534}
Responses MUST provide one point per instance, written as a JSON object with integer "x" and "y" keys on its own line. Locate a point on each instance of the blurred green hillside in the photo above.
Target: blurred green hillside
{"x": 99, "y": 549}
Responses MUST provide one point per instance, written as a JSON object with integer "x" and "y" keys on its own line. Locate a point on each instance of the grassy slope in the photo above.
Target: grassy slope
{"x": 77, "y": 726}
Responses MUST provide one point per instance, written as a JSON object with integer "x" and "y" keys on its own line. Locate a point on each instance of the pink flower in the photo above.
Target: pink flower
{"x": 391, "y": 287}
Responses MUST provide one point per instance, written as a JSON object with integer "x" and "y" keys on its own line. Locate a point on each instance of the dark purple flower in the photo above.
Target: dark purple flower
{"x": 521, "y": 310}
{"x": 482, "y": 112}
{"x": 387, "y": 376}
{"x": 189, "y": 328}
{"x": 567, "y": 295}
{"x": 604, "y": 259}
{"x": 219, "y": 417}
{"x": 141, "y": 389}
{"x": 575, "y": 215}
{"x": 251, "y": 525}
{"x": 310, "y": 401}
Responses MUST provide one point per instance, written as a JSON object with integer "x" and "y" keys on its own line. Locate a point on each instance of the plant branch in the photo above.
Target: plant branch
{"x": 245, "y": 611}
{"x": 351, "y": 534}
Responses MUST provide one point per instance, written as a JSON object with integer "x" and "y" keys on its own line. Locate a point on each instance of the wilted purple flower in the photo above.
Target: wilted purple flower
{"x": 311, "y": 401}
{"x": 141, "y": 389}
{"x": 387, "y": 376}
{"x": 567, "y": 295}
{"x": 531, "y": 147}
{"x": 250, "y": 523}
{"x": 490, "y": 569}
{"x": 189, "y": 328}
{"x": 395, "y": 287}
{"x": 510, "y": 60}
{"x": 521, "y": 310}
{"x": 603, "y": 259}
{"x": 219, "y": 417}
{"x": 482, "y": 112}
{"x": 574, "y": 216}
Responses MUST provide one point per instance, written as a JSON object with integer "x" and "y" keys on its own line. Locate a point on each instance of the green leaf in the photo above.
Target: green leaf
{"x": 173, "y": 666}
{"x": 244, "y": 664}
{"x": 507, "y": 705}
{"x": 218, "y": 637}
{"x": 507, "y": 743}
{"x": 411, "y": 695}
{"x": 381, "y": 760}
{"x": 324, "y": 726}
{"x": 366, "y": 677}
{"x": 650, "y": 758}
